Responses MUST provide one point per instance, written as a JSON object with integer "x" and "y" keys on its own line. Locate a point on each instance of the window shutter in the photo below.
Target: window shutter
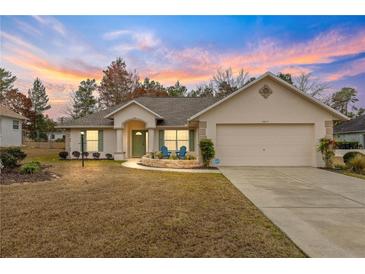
{"x": 161, "y": 135}
{"x": 100, "y": 141}
{"x": 191, "y": 140}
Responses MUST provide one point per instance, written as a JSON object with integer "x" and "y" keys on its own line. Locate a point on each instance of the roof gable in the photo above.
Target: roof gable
{"x": 4, "y": 111}
{"x": 282, "y": 82}
{"x": 109, "y": 115}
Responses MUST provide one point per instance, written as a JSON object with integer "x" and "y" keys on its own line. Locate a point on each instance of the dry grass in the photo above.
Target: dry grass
{"x": 105, "y": 210}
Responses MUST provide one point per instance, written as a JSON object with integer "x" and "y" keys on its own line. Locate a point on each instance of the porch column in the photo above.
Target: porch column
{"x": 329, "y": 129}
{"x": 119, "y": 154}
{"x": 151, "y": 140}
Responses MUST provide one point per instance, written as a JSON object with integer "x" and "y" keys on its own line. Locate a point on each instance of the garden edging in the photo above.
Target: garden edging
{"x": 167, "y": 163}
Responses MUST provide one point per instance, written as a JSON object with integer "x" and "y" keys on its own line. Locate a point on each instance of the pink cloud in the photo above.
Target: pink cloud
{"x": 189, "y": 65}
{"x": 354, "y": 68}
{"x": 73, "y": 72}
{"x": 324, "y": 48}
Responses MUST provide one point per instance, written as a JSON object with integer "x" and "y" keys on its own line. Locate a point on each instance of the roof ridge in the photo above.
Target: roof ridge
{"x": 173, "y": 97}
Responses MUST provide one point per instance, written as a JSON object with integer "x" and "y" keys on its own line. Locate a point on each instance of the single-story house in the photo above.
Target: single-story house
{"x": 10, "y": 127}
{"x": 268, "y": 122}
{"x": 56, "y": 135}
{"x": 351, "y": 131}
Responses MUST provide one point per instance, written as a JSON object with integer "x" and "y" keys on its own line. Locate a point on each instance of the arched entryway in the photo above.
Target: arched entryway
{"x": 137, "y": 138}
{"x": 134, "y": 139}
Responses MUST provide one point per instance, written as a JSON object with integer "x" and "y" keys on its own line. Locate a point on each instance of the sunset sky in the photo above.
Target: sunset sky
{"x": 64, "y": 50}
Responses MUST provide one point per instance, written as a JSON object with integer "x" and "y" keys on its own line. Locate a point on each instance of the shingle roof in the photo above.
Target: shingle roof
{"x": 4, "y": 111}
{"x": 354, "y": 125}
{"x": 174, "y": 110}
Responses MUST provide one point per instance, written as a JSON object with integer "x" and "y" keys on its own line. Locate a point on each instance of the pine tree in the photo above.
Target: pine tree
{"x": 149, "y": 84}
{"x": 286, "y": 77}
{"x": 37, "y": 94}
{"x": 202, "y": 91}
{"x": 84, "y": 102}
{"x": 345, "y": 100}
{"x": 6, "y": 83}
{"x": 177, "y": 90}
{"x": 117, "y": 84}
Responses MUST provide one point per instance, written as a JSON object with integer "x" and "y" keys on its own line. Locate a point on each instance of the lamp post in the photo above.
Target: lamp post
{"x": 82, "y": 148}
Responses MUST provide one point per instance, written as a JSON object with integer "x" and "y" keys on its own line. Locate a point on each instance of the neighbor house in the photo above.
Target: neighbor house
{"x": 56, "y": 135}
{"x": 10, "y": 127}
{"x": 351, "y": 131}
{"x": 268, "y": 122}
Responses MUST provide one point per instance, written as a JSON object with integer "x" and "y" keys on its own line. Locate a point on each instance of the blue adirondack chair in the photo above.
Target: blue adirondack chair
{"x": 182, "y": 152}
{"x": 165, "y": 152}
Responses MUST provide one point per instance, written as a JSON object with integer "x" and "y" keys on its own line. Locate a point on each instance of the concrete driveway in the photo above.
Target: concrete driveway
{"x": 321, "y": 211}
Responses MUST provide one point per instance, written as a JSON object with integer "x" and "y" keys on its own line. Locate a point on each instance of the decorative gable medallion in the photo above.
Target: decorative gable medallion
{"x": 265, "y": 91}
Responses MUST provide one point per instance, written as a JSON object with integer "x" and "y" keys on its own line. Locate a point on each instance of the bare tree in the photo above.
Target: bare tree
{"x": 224, "y": 82}
{"x": 310, "y": 85}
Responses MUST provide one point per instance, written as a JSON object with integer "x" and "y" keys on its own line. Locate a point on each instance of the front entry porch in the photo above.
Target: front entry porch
{"x": 133, "y": 140}
{"x": 139, "y": 143}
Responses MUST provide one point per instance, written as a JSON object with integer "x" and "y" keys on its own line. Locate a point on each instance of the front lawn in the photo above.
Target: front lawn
{"x": 106, "y": 210}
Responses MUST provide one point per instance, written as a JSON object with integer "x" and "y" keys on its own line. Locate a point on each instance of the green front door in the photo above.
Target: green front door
{"x": 138, "y": 143}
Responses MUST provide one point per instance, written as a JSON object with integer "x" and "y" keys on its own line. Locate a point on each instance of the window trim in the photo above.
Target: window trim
{"x": 176, "y": 138}
{"x": 17, "y": 124}
{"x": 96, "y": 140}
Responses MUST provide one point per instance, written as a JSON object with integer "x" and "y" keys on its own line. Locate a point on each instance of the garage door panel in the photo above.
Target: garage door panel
{"x": 265, "y": 145}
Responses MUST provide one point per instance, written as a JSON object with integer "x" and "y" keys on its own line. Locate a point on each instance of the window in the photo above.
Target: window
{"x": 174, "y": 139}
{"x": 92, "y": 140}
{"x": 15, "y": 124}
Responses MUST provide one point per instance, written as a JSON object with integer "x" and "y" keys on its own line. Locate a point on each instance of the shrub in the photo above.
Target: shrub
{"x": 16, "y": 152}
{"x": 30, "y": 168}
{"x": 350, "y": 155}
{"x": 158, "y": 155}
{"x": 357, "y": 164}
{"x": 326, "y": 147}
{"x": 173, "y": 156}
{"x": 109, "y": 156}
{"x": 63, "y": 154}
{"x": 96, "y": 155}
{"x": 190, "y": 156}
{"x": 86, "y": 154}
{"x": 76, "y": 154}
{"x": 8, "y": 160}
{"x": 207, "y": 151}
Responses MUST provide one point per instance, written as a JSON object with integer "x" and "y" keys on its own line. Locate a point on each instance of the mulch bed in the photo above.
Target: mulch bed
{"x": 14, "y": 176}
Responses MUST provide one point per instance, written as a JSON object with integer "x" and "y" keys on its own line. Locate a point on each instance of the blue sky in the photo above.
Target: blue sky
{"x": 63, "y": 50}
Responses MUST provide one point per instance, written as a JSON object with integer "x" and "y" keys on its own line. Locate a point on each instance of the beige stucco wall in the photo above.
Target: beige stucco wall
{"x": 281, "y": 107}
{"x": 108, "y": 146}
{"x": 128, "y": 119}
{"x": 134, "y": 112}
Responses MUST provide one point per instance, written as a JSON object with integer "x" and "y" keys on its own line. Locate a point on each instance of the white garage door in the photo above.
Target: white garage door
{"x": 265, "y": 145}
